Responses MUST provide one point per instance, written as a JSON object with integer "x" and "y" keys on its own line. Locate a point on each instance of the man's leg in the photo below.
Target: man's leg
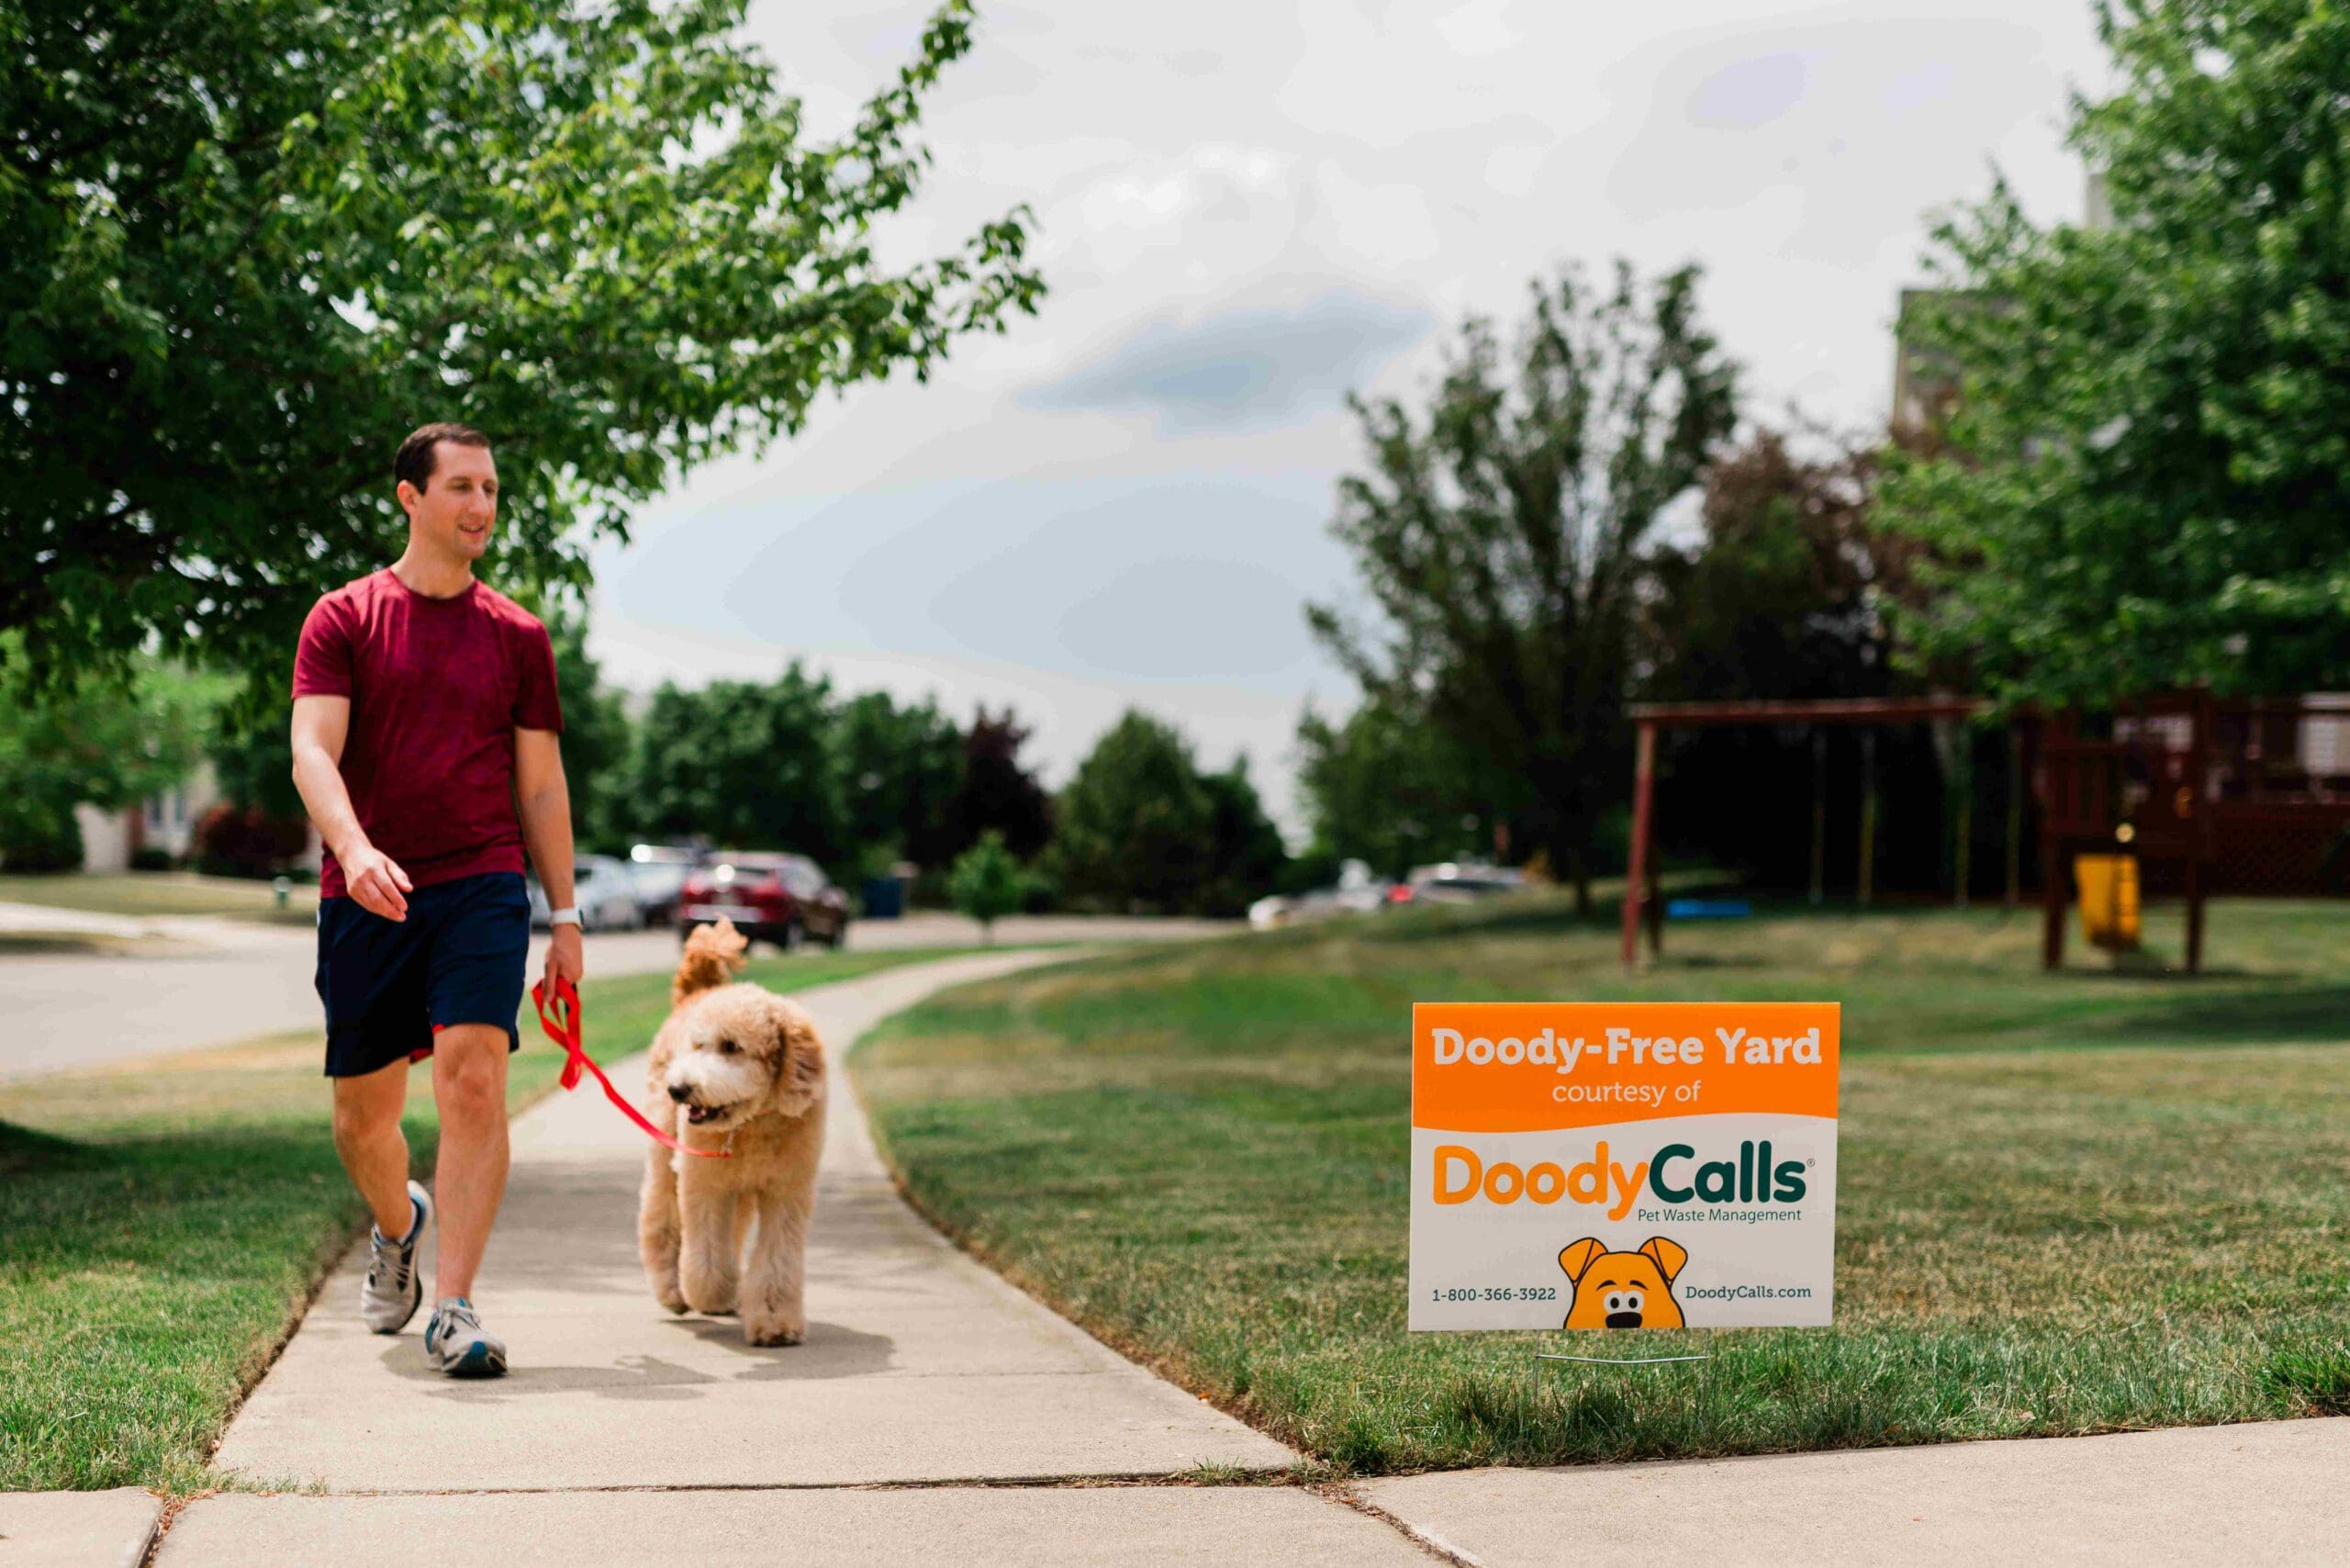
{"x": 367, "y": 1135}
{"x": 469, "y": 1086}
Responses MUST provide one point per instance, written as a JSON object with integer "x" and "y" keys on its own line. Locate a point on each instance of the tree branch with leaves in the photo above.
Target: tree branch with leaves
{"x": 1501, "y": 537}
{"x": 252, "y": 245}
{"x": 2146, "y": 465}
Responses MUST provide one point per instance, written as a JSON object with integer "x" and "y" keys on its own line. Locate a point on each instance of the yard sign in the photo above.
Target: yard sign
{"x": 1626, "y": 1165}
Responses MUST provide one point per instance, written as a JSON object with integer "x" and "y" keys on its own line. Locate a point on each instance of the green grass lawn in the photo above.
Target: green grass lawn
{"x": 163, "y": 1222}
{"x": 141, "y": 893}
{"x": 2069, "y": 1203}
{"x": 50, "y": 943}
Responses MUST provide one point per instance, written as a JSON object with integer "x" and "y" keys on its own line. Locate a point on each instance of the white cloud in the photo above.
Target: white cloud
{"x": 1245, "y": 365}
{"x": 1191, "y": 164}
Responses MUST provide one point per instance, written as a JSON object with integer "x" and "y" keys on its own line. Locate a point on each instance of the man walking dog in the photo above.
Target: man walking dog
{"x": 425, "y": 746}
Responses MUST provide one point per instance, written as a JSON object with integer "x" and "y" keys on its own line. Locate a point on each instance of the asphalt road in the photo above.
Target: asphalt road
{"x": 208, "y": 982}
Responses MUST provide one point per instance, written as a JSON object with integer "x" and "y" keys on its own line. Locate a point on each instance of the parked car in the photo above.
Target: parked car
{"x": 770, "y": 897}
{"x": 659, "y": 872}
{"x": 1271, "y": 913}
{"x": 603, "y": 891}
{"x": 1357, "y": 892}
{"x": 1454, "y": 882}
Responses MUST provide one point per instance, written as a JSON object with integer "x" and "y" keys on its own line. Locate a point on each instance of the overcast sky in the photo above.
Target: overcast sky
{"x": 1245, "y": 209}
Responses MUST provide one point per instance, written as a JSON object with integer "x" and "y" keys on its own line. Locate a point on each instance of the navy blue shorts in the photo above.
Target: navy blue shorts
{"x": 390, "y": 985}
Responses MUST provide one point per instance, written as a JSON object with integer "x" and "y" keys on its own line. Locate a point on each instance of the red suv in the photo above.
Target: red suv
{"x": 770, "y": 897}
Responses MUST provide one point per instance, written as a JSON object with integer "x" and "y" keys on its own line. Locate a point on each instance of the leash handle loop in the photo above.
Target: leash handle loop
{"x": 562, "y": 1025}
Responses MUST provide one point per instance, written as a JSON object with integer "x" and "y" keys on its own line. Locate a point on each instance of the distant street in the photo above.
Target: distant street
{"x": 211, "y": 981}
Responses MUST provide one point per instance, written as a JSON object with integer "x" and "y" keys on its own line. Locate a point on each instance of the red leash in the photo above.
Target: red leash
{"x": 563, "y": 1027}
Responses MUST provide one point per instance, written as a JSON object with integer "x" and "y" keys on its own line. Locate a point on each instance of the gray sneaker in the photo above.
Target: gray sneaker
{"x": 455, "y": 1342}
{"x": 392, "y": 1290}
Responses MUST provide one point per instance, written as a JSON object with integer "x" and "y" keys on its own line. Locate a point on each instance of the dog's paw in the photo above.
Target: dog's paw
{"x": 775, "y": 1333}
{"x": 712, "y": 1297}
{"x": 674, "y": 1299}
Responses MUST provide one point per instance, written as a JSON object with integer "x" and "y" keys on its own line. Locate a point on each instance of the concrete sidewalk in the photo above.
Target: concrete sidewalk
{"x": 2274, "y": 1492}
{"x": 922, "y": 1371}
{"x": 77, "y": 1530}
{"x": 920, "y": 1365}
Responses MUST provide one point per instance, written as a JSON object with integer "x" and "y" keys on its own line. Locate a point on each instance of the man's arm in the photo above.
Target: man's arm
{"x": 321, "y": 724}
{"x": 542, "y": 800}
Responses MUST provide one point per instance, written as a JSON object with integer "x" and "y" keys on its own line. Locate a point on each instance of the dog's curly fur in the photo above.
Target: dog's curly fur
{"x": 736, "y": 1067}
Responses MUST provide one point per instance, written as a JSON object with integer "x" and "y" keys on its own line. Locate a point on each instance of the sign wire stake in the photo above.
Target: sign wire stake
{"x": 1632, "y": 1360}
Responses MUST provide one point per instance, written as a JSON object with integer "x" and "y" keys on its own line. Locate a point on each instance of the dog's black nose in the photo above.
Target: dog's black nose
{"x": 1623, "y": 1320}
{"x": 680, "y": 1093}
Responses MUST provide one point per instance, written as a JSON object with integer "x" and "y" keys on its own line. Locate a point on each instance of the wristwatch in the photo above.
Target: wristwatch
{"x": 567, "y": 915}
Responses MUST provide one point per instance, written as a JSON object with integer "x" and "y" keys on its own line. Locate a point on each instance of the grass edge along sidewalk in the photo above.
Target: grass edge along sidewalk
{"x": 2070, "y": 1203}
{"x": 164, "y": 1224}
{"x": 162, "y": 894}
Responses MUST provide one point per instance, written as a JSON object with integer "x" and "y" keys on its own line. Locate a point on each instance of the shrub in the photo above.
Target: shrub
{"x": 39, "y": 835}
{"x": 234, "y": 840}
{"x": 1042, "y": 895}
{"x": 151, "y": 858}
{"x": 987, "y": 883}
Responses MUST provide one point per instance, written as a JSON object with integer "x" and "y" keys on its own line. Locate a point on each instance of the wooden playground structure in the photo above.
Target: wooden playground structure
{"x": 2244, "y": 796}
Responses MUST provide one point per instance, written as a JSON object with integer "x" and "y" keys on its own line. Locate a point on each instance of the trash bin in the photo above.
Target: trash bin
{"x": 885, "y": 898}
{"x": 2108, "y": 885}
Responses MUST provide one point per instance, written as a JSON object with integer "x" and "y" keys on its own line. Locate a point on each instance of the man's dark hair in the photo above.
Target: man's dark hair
{"x": 415, "y": 463}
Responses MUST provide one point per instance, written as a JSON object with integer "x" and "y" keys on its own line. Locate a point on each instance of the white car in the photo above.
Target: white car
{"x": 1357, "y": 892}
{"x": 1456, "y": 882}
{"x": 604, "y": 892}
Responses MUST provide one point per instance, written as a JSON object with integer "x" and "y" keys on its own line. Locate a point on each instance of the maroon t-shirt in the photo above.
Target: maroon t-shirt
{"x": 437, "y": 686}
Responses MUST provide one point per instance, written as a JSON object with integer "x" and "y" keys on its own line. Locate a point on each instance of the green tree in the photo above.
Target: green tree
{"x": 742, "y": 762}
{"x": 251, "y": 752}
{"x": 1135, "y": 824}
{"x": 1250, "y": 858}
{"x": 597, "y": 739}
{"x": 2148, "y": 460}
{"x": 1393, "y": 791}
{"x": 998, "y": 793}
{"x": 987, "y": 884}
{"x": 1501, "y": 538}
{"x": 109, "y": 739}
{"x": 251, "y": 245}
{"x": 901, "y": 769}
{"x": 1789, "y": 590}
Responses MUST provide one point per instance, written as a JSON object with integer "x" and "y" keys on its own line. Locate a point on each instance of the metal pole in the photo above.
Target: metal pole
{"x": 1868, "y": 816}
{"x": 1655, "y": 897}
{"x": 2199, "y": 754}
{"x": 1963, "y": 775}
{"x": 1636, "y": 874}
{"x": 2054, "y": 799}
{"x": 1818, "y": 816}
{"x": 2015, "y": 818}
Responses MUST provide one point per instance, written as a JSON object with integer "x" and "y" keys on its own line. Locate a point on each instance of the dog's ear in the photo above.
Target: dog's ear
{"x": 1574, "y": 1260}
{"x": 711, "y": 955}
{"x": 798, "y": 1059}
{"x": 1668, "y": 1256}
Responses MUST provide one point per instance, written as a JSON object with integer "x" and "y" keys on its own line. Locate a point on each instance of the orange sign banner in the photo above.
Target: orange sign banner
{"x": 1510, "y": 1067}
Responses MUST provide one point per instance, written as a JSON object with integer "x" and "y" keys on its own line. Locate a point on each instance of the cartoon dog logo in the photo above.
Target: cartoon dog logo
{"x": 1624, "y": 1290}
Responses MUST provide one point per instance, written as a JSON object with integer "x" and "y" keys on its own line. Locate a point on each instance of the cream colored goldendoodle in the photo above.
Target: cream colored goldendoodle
{"x": 735, "y": 1067}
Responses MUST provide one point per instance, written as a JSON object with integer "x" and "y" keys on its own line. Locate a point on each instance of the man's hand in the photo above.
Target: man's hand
{"x": 565, "y": 958}
{"x": 379, "y": 885}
